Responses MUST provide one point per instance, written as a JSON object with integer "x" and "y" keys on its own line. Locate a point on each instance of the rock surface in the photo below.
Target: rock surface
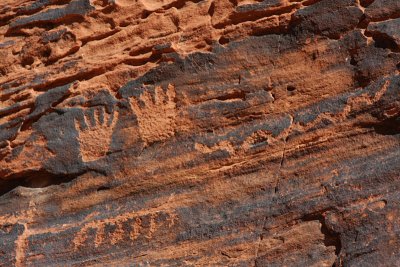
{"x": 200, "y": 133}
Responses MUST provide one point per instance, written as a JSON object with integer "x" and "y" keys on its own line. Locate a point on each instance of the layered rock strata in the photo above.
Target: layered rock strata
{"x": 199, "y": 133}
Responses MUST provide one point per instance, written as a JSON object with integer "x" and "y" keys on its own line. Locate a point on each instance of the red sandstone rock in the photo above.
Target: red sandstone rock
{"x": 199, "y": 133}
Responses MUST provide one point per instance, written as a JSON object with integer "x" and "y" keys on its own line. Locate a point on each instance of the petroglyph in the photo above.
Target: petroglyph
{"x": 95, "y": 132}
{"x": 156, "y": 114}
{"x": 126, "y": 227}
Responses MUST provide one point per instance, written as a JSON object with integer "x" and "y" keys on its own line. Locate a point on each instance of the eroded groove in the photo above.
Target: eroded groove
{"x": 385, "y": 41}
{"x": 238, "y": 95}
{"x": 179, "y": 4}
{"x": 71, "y": 52}
{"x": 389, "y": 126}
{"x": 332, "y": 239}
{"x": 99, "y": 37}
{"x": 238, "y": 18}
{"x": 34, "y": 179}
{"x": 81, "y": 76}
{"x": 366, "y": 3}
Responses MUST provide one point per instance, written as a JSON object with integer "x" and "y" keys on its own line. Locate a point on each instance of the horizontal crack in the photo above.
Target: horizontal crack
{"x": 35, "y": 179}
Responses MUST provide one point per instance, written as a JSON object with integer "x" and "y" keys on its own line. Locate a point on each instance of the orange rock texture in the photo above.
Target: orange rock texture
{"x": 199, "y": 133}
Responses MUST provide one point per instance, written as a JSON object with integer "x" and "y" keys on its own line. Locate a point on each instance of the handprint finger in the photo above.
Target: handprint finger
{"x": 171, "y": 93}
{"x": 160, "y": 96}
{"x": 89, "y": 117}
{"x": 146, "y": 98}
{"x": 100, "y": 115}
{"x": 80, "y": 123}
{"x": 113, "y": 119}
{"x": 134, "y": 104}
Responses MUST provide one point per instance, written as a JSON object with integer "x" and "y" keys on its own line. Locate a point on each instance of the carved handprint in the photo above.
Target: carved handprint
{"x": 156, "y": 115}
{"x": 95, "y": 132}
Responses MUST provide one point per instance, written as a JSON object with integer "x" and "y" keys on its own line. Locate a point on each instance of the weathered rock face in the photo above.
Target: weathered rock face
{"x": 200, "y": 133}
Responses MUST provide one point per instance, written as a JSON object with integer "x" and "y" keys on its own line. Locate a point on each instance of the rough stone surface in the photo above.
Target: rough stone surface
{"x": 199, "y": 133}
